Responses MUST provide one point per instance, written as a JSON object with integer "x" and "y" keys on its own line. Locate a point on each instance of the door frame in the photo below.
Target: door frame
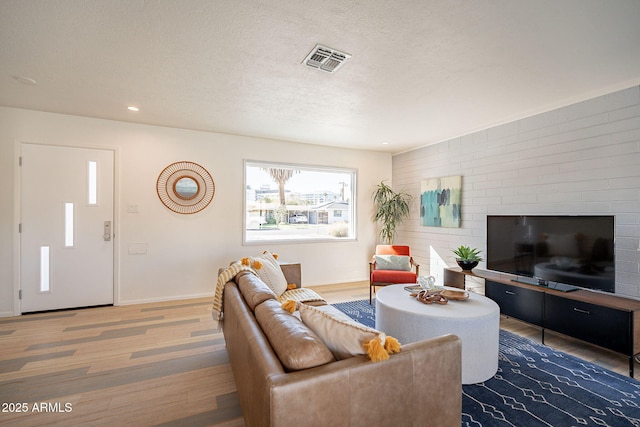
{"x": 17, "y": 217}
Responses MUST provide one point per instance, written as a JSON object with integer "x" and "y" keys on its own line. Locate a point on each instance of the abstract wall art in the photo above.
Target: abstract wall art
{"x": 440, "y": 200}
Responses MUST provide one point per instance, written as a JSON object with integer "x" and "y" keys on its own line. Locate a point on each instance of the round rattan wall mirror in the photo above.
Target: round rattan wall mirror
{"x": 185, "y": 187}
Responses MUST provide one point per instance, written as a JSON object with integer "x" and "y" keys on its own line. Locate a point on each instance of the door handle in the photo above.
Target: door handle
{"x": 106, "y": 235}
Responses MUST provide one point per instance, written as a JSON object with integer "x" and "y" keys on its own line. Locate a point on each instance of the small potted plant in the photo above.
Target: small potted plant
{"x": 466, "y": 257}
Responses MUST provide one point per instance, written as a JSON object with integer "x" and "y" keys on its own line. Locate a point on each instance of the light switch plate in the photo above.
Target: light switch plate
{"x": 137, "y": 248}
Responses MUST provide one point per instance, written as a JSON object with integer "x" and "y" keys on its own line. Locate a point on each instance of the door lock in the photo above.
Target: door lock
{"x": 107, "y": 231}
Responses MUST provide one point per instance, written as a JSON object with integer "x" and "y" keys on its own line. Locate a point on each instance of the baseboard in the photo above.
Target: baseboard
{"x": 167, "y": 298}
{"x": 140, "y": 301}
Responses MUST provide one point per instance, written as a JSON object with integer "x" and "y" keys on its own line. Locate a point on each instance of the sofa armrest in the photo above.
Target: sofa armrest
{"x": 292, "y": 272}
{"x": 421, "y": 385}
{"x": 416, "y": 265}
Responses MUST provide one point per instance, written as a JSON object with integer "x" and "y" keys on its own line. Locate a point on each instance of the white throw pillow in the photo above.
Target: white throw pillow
{"x": 270, "y": 272}
{"x": 393, "y": 262}
{"x": 344, "y": 337}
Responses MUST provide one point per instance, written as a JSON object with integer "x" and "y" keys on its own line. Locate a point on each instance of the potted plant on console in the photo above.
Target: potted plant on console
{"x": 467, "y": 257}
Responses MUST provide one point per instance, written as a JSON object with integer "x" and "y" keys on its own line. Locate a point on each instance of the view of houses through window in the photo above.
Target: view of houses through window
{"x": 297, "y": 202}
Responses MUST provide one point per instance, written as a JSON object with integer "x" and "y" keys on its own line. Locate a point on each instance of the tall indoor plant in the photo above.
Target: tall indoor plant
{"x": 391, "y": 209}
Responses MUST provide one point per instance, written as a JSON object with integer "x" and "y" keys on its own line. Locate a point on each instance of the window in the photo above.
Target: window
{"x": 68, "y": 225}
{"x": 285, "y": 202}
{"x": 44, "y": 269}
{"x": 92, "y": 183}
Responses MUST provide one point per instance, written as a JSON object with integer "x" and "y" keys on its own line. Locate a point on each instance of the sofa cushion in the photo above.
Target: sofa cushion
{"x": 270, "y": 272}
{"x": 393, "y": 262}
{"x": 344, "y": 337}
{"x": 253, "y": 289}
{"x": 296, "y": 345}
{"x": 393, "y": 276}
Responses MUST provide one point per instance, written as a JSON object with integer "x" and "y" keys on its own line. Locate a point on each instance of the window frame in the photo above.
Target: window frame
{"x": 350, "y": 218}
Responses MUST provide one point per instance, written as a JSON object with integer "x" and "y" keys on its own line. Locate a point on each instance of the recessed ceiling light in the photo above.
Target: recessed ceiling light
{"x": 132, "y": 108}
{"x": 25, "y": 80}
{"x": 385, "y": 143}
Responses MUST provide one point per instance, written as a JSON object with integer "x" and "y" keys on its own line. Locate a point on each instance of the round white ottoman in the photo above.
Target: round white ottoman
{"x": 476, "y": 321}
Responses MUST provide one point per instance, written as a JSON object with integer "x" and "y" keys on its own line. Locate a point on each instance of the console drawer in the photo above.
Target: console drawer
{"x": 517, "y": 302}
{"x": 607, "y": 327}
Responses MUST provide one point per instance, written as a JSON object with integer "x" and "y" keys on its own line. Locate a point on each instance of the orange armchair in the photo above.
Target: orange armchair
{"x": 390, "y": 265}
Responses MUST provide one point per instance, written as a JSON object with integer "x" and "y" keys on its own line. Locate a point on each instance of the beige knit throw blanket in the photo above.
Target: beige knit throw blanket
{"x": 223, "y": 278}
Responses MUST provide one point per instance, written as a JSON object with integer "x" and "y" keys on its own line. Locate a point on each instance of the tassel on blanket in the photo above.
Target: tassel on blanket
{"x": 290, "y": 305}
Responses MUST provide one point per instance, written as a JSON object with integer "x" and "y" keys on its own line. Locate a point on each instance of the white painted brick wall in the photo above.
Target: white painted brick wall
{"x": 580, "y": 159}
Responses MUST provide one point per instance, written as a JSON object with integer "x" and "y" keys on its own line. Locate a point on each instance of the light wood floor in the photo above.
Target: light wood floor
{"x": 149, "y": 365}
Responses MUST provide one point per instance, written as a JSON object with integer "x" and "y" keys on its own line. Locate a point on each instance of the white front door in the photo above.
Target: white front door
{"x": 66, "y": 227}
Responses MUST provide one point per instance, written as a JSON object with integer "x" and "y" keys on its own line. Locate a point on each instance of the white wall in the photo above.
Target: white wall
{"x": 580, "y": 159}
{"x": 184, "y": 251}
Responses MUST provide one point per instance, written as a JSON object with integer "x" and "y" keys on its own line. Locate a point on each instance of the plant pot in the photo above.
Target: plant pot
{"x": 466, "y": 265}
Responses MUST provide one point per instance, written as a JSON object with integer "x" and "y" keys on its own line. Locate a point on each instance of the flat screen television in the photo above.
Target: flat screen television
{"x": 563, "y": 251}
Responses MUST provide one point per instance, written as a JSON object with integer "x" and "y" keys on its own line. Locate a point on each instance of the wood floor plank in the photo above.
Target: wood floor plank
{"x": 159, "y": 364}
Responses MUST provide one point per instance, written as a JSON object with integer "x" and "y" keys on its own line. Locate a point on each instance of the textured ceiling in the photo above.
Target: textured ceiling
{"x": 421, "y": 71}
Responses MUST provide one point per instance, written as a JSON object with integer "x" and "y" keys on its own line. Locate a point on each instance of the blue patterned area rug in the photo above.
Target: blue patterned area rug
{"x": 538, "y": 386}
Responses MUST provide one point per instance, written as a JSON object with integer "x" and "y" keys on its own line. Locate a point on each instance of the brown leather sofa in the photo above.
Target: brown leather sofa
{"x": 420, "y": 386}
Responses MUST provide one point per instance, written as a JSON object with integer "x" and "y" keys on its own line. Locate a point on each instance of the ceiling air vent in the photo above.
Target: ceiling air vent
{"x": 326, "y": 59}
